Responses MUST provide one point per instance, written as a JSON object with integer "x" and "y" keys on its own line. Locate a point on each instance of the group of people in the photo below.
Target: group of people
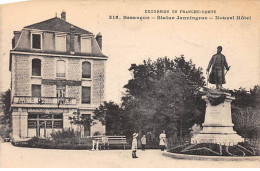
{"x": 162, "y": 143}
{"x": 97, "y": 144}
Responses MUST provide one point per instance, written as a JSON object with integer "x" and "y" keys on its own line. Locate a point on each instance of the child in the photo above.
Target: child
{"x": 134, "y": 145}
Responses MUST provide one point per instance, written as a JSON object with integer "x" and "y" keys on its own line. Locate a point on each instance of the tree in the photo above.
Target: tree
{"x": 245, "y": 112}
{"x": 112, "y": 115}
{"x": 81, "y": 120}
{"x": 6, "y": 119}
{"x": 164, "y": 94}
{"x": 6, "y": 104}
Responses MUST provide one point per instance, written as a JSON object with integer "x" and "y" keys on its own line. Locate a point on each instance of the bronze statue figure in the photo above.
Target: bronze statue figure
{"x": 218, "y": 63}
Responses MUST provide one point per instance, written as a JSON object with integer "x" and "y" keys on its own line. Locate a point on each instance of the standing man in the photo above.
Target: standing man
{"x": 143, "y": 141}
{"x": 134, "y": 145}
{"x": 218, "y": 63}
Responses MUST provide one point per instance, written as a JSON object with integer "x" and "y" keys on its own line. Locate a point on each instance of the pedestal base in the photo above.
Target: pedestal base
{"x": 218, "y": 126}
{"x": 222, "y": 139}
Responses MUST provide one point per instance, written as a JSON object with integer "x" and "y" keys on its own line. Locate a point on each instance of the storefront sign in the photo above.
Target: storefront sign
{"x": 44, "y": 100}
{"x": 47, "y": 110}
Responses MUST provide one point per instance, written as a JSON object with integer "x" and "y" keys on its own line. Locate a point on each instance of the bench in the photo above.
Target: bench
{"x": 112, "y": 140}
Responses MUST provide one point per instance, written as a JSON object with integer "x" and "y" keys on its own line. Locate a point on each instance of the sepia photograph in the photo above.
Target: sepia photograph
{"x": 130, "y": 84}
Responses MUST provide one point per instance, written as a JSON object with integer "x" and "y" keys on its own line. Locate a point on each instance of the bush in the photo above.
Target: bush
{"x": 64, "y": 134}
{"x": 4, "y": 131}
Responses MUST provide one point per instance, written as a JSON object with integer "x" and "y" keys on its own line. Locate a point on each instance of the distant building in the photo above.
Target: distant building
{"x": 57, "y": 69}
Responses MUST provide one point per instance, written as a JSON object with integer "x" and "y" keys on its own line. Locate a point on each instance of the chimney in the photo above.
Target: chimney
{"x": 99, "y": 40}
{"x": 72, "y": 36}
{"x": 17, "y": 35}
{"x": 63, "y": 15}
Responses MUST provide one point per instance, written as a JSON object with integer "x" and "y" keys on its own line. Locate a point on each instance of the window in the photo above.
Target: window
{"x": 50, "y": 120}
{"x": 36, "y": 41}
{"x": 60, "y": 43}
{"x": 86, "y": 70}
{"x": 86, "y": 45}
{"x": 61, "y": 68}
{"x": 86, "y": 95}
{"x": 36, "y": 90}
{"x": 36, "y": 67}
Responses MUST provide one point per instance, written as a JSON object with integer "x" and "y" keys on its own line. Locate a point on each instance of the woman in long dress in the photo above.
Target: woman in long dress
{"x": 162, "y": 138}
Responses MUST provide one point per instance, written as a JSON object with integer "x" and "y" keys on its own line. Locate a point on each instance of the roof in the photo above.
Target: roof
{"x": 56, "y": 24}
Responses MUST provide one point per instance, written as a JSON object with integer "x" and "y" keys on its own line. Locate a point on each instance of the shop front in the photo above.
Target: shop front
{"x": 42, "y": 125}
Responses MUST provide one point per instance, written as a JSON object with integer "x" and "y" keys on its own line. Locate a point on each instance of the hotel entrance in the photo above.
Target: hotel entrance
{"x": 42, "y": 125}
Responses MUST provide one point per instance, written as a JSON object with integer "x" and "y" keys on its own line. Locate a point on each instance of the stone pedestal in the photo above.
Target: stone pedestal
{"x": 218, "y": 126}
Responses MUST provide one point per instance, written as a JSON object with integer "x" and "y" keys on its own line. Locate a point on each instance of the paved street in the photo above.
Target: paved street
{"x": 11, "y": 156}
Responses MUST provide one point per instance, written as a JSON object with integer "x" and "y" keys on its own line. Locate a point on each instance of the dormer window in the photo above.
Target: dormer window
{"x": 60, "y": 43}
{"x": 86, "y": 45}
{"x": 36, "y": 41}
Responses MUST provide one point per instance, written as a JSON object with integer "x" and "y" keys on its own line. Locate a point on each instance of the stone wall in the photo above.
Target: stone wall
{"x": 74, "y": 69}
{"x": 22, "y": 75}
{"x": 49, "y": 68}
{"x": 98, "y": 82}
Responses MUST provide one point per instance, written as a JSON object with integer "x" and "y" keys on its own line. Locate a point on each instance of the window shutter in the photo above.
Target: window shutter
{"x": 61, "y": 68}
{"x": 86, "y": 45}
{"x": 60, "y": 43}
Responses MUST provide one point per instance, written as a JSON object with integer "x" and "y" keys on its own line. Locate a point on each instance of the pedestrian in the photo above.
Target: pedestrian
{"x": 134, "y": 145}
{"x": 162, "y": 138}
{"x": 143, "y": 142}
{"x": 104, "y": 141}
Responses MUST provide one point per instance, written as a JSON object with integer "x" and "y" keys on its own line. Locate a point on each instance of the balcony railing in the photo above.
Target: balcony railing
{"x": 44, "y": 100}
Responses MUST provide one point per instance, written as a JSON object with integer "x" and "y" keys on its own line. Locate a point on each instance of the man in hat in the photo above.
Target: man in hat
{"x": 134, "y": 145}
{"x": 218, "y": 63}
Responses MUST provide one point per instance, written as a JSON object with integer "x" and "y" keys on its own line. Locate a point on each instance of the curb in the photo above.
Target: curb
{"x": 213, "y": 158}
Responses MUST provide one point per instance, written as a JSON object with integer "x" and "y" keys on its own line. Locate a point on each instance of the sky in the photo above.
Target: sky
{"x": 132, "y": 41}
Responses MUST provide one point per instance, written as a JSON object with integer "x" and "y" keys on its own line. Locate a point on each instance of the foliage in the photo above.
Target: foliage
{"x": 59, "y": 143}
{"x": 113, "y": 116}
{"x": 6, "y": 102}
{"x": 245, "y": 112}
{"x": 164, "y": 94}
{"x": 4, "y": 131}
{"x": 65, "y": 133}
{"x": 81, "y": 120}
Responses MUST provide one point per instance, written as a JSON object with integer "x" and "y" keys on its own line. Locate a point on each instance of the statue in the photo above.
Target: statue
{"x": 218, "y": 63}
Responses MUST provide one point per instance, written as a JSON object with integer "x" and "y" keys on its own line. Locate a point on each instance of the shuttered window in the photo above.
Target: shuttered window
{"x": 60, "y": 43}
{"x": 61, "y": 68}
{"x": 86, "y": 45}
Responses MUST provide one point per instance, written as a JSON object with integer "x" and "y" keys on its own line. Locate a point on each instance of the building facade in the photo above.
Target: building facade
{"x": 57, "y": 70}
